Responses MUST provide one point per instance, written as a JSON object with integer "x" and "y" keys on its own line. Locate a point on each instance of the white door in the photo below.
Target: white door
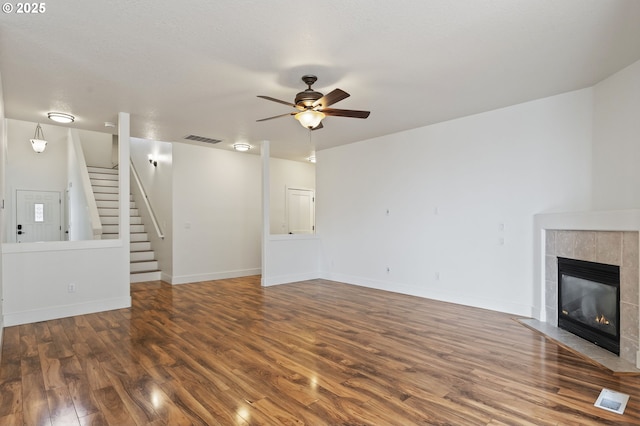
{"x": 300, "y": 211}
{"x": 38, "y": 216}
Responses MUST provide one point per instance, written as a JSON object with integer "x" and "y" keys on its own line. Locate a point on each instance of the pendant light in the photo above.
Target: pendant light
{"x": 38, "y": 143}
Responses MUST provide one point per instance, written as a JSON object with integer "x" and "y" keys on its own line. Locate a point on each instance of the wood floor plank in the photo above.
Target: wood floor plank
{"x": 10, "y": 398}
{"x": 50, "y": 365}
{"x": 61, "y": 407}
{"x": 112, "y": 408}
{"x": 314, "y": 352}
{"x": 28, "y": 343}
{"x": 35, "y": 406}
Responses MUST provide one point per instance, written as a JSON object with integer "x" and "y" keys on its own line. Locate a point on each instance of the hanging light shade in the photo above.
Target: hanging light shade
{"x": 38, "y": 143}
{"x": 309, "y": 118}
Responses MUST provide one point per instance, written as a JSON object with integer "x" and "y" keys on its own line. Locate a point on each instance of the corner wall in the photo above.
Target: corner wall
{"x": 286, "y": 174}
{"x": 217, "y": 219}
{"x": 616, "y": 141}
{"x": 158, "y": 183}
{"x": 27, "y": 170}
{"x": 445, "y": 211}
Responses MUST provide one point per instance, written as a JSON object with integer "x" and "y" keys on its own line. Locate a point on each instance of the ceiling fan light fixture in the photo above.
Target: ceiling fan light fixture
{"x": 61, "y": 117}
{"x": 242, "y": 147}
{"x": 310, "y": 118}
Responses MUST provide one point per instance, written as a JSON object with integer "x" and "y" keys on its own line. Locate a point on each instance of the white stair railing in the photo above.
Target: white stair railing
{"x": 147, "y": 203}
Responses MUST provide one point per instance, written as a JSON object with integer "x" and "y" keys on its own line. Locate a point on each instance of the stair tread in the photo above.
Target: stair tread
{"x": 104, "y": 182}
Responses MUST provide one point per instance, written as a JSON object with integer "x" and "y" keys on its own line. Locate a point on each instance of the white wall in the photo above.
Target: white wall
{"x": 158, "y": 183}
{"x": 449, "y": 190}
{"x": 36, "y": 276}
{"x": 216, "y": 214}
{"x": 97, "y": 148}
{"x": 616, "y": 141}
{"x": 287, "y": 174}
{"x": 285, "y": 258}
{"x": 27, "y": 170}
{"x": 79, "y": 226}
{"x": 3, "y": 158}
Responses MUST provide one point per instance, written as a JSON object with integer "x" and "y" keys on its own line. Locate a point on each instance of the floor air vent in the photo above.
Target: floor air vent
{"x": 202, "y": 139}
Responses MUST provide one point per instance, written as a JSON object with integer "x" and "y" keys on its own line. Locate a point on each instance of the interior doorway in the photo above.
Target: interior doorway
{"x": 38, "y": 216}
{"x": 300, "y": 211}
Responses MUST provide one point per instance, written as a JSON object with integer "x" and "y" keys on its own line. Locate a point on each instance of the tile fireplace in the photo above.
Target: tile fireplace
{"x": 607, "y": 237}
{"x": 589, "y": 301}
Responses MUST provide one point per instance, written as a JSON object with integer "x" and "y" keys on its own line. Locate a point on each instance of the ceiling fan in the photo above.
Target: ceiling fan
{"x": 312, "y": 106}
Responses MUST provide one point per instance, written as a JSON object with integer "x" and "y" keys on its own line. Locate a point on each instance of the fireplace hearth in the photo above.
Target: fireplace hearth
{"x": 589, "y": 301}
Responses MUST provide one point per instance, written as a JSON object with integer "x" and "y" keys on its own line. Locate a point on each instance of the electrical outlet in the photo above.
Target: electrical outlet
{"x": 388, "y": 269}
{"x": 71, "y": 288}
{"x": 437, "y": 276}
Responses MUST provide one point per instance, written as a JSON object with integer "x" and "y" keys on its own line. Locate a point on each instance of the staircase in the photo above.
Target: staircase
{"x": 104, "y": 182}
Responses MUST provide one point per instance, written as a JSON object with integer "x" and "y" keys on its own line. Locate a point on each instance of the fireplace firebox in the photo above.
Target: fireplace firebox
{"x": 589, "y": 301}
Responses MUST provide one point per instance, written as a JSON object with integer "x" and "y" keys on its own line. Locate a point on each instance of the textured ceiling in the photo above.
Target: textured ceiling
{"x": 195, "y": 67}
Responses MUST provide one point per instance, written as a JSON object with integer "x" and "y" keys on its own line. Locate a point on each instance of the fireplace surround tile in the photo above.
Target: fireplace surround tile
{"x": 629, "y": 291}
{"x": 585, "y": 246}
{"x": 630, "y": 249}
{"x": 565, "y": 244}
{"x": 610, "y": 247}
{"x": 550, "y": 242}
{"x": 551, "y": 268}
{"x": 629, "y": 321}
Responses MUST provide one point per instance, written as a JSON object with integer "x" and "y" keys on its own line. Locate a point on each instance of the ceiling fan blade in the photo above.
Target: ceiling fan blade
{"x": 346, "y": 113}
{"x": 331, "y": 98}
{"x": 269, "y": 98}
{"x": 276, "y": 116}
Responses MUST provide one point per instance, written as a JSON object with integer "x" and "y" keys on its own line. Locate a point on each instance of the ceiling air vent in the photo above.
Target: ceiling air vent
{"x": 203, "y": 139}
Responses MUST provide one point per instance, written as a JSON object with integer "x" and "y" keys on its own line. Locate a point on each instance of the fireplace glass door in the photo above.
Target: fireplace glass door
{"x": 589, "y": 301}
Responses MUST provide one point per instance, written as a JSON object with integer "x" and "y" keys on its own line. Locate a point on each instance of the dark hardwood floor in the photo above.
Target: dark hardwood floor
{"x": 318, "y": 352}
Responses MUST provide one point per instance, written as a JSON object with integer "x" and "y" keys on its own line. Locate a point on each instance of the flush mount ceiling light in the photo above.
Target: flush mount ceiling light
{"x": 61, "y": 117}
{"x": 242, "y": 147}
{"x": 310, "y": 118}
{"x": 38, "y": 143}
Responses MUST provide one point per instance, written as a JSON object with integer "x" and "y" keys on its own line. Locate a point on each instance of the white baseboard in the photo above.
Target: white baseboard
{"x": 166, "y": 277}
{"x": 64, "y": 311}
{"x": 186, "y": 279}
{"x": 443, "y": 296}
{"x": 286, "y": 279}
